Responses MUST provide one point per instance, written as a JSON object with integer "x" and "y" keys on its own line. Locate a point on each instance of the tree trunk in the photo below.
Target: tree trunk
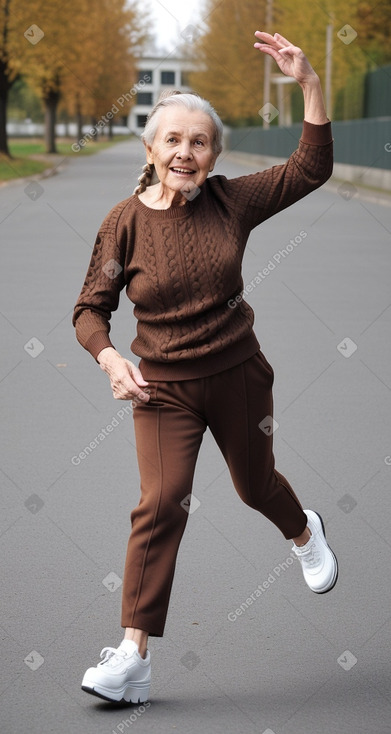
{"x": 51, "y": 101}
{"x": 79, "y": 120}
{"x": 5, "y": 83}
{"x": 110, "y": 136}
{"x": 3, "y": 123}
{"x": 5, "y": 86}
{"x": 94, "y": 138}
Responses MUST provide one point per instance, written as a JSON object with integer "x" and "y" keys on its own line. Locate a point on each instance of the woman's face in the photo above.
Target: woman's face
{"x": 182, "y": 150}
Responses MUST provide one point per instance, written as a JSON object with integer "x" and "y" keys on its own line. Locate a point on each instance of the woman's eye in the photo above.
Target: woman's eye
{"x": 171, "y": 140}
{"x": 199, "y": 143}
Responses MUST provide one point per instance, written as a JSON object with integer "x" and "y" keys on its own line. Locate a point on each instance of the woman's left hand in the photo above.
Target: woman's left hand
{"x": 291, "y": 59}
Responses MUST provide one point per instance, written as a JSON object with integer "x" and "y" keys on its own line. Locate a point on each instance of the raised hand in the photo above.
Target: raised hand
{"x": 291, "y": 59}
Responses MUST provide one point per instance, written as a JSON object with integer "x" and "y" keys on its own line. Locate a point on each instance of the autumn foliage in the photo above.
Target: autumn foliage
{"x": 80, "y": 55}
{"x": 232, "y": 72}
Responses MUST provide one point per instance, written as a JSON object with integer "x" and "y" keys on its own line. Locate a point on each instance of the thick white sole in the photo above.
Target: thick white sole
{"x": 130, "y": 692}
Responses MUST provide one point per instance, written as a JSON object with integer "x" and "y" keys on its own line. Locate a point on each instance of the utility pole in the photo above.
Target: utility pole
{"x": 268, "y": 60}
{"x": 329, "y": 67}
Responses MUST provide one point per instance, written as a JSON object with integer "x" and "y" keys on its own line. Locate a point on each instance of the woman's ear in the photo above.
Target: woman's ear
{"x": 213, "y": 163}
{"x": 148, "y": 152}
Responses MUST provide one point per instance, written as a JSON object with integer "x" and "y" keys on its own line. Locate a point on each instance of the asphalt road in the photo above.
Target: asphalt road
{"x": 290, "y": 662}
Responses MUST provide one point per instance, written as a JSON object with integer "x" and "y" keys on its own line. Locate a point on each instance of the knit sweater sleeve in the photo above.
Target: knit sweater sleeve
{"x": 99, "y": 296}
{"x": 258, "y": 196}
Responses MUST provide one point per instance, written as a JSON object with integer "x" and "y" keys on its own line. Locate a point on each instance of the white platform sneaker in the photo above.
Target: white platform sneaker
{"x": 122, "y": 674}
{"x": 319, "y": 564}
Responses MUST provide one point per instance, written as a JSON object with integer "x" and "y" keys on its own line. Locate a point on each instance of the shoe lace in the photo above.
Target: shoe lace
{"x": 309, "y": 556}
{"x": 110, "y": 656}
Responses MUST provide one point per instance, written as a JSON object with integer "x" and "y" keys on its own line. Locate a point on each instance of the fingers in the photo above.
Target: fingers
{"x": 266, "y": 37}
{"x": 137, "y": 381}
{"x": 135, "y": 399}
{"x": 126, "y": 389}
{"x": 269, "y": 45}
{"x": 136, "y": 374}
{"x": 278, "y": 42}
{"x": 275, "y": 41}
{"x": 273, "y": 52}
{"x": 282, "y": 40}
{"x": 267, "y": 41}
{"x": 126, "y": 380}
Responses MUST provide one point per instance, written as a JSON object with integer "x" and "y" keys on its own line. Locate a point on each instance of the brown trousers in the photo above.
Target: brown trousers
{"x": 169, "y": 432}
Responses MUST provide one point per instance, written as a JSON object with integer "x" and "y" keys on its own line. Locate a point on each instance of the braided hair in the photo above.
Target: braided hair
{"x": 145, "y": 179}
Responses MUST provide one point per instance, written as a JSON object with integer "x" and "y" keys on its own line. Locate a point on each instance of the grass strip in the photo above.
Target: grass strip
{"x": 29, "y": 157}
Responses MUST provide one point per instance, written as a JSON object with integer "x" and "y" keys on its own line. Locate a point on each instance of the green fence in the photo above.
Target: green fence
{"x": 377, "y": 93}
{"x": 365, "y": 142}
{"x": 364, "y": 95}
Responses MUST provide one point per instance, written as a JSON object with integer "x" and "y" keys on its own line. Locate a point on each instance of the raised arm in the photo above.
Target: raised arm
{"x": 258, "y": 196}
{"x": 293, "y": 62}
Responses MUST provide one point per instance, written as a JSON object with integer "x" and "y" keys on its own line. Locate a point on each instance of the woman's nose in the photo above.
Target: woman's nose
{"x": 184, "y": 150}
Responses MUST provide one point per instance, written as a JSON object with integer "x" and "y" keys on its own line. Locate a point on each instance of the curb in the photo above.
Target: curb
{"x": 375, "y": 196}
{"x": 46, "y": 173}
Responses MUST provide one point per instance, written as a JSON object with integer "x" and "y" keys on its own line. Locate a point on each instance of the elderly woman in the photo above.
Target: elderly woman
{"x": 177, "y": 248}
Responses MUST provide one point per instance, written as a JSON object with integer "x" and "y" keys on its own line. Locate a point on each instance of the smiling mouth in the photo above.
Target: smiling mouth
{"x": 182, "y": 171}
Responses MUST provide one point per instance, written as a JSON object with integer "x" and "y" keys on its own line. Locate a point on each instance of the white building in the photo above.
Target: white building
{"x": 155, "y": 74}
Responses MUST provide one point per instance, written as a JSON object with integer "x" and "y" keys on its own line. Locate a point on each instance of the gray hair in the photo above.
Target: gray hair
{"x": 193, "y": 102}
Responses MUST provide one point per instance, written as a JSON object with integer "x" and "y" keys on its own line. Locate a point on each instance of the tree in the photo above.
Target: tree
{"x": 46, "y": 31}
{"x": 9, "y": 65}
{"x": 76, "y": 53}
{"x": 374, "y": 30}
{"x": 306, "y": 25}
{"x": 232, "y": 75}
{"x": 233, "y": 79}
{"x": 102, "y": 69}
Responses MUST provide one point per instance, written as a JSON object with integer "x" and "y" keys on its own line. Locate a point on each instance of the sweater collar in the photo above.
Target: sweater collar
{"x": 173, "y": 212}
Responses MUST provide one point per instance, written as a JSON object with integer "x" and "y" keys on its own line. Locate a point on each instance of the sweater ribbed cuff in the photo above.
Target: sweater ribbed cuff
{"x": 98, "y": 340}
{"x": 316, "y": 134}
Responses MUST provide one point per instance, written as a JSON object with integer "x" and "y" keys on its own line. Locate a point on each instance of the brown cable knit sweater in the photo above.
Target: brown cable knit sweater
{"x": 181, "y": 266}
